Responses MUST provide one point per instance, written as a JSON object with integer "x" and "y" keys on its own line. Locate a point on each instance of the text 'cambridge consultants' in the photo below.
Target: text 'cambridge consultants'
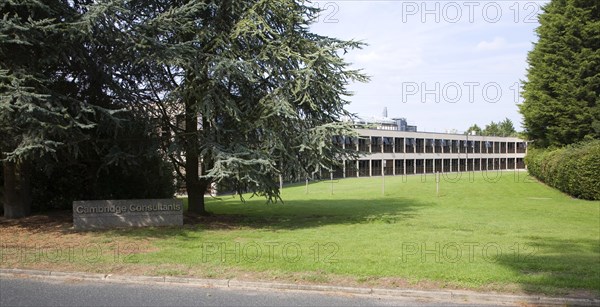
{"x": 100, "y": 214}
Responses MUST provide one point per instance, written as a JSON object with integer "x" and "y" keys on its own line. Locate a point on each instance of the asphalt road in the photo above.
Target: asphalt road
{"x": 43, "y": 292}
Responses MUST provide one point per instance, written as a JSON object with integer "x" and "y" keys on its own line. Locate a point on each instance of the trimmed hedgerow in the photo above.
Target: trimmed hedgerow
{"x": 574, "y": 169}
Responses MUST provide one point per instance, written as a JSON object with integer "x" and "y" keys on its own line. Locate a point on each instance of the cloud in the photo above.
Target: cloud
{"x": 367, "y": 57}
{"x": 495, "y": 44}
{"x": 388, "y": 58}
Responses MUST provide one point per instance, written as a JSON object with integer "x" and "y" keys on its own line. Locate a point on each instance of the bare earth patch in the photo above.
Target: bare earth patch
{"x": 49, "y": 241}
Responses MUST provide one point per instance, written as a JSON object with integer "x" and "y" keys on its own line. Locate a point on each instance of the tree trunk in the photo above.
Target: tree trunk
{"x": 17, "y": 190}
{"x": 196, "y": 197}
{"x": 195, "y": 187}
{"x": 195, "y": 192}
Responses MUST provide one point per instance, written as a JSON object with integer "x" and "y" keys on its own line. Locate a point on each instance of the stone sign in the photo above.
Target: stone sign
{"x": 99, "y": 214}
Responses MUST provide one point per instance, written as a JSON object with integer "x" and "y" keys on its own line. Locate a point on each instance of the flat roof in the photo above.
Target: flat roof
{"x": 435, "y": 135}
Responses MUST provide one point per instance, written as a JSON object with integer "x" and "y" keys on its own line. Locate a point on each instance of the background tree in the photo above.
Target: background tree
{"x": 507, "y": 128}
{"x": 245, "y": 90}
{"x": 475, "y": 129}
{"x": 37, "y": 114}
{"x": 503, "y": 128}
{"x": 113, "y": 163}
{"x": 492, "y": 129}
{"x": 62, "y": 107}
{"x": 562, "y": 91}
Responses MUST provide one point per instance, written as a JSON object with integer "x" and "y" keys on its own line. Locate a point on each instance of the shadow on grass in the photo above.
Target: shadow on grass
{"x": 547, "y": 265}
{"x": 293, "y": 214}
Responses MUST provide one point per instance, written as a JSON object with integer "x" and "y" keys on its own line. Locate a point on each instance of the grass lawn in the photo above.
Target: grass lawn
{"x": 487, "y": 231}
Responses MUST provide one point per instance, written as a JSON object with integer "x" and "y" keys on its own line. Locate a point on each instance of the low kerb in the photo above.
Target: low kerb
{"x": 102, "y": 214}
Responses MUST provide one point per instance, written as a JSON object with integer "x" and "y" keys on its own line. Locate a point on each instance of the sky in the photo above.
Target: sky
{"x": 442, "y": 65}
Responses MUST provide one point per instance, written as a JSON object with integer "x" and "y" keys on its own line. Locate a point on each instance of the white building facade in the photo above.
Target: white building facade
{"x": 390, "y": 152}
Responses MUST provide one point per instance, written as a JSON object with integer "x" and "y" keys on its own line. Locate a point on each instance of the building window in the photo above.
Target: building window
{"x": 399, "y": 167}
{"x": 375, "y": 167}
{"x": 399, "y": 144}
{"x": 388, "y": 144}
{"x": 375, "y": 144}
{"x": 420, "y": 145}
{"x": 410, "y": 144}
{"x": 429, "y": 145}
{"x": 363, "y": 144}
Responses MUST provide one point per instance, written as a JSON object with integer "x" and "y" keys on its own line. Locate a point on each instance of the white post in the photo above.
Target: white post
{"x": 280, "y": 182}
{"x": 306, "y": 185}
{"x": 383, "y": 163}
{"x": 331, "y": 177}
{"x": 437, "y": 184}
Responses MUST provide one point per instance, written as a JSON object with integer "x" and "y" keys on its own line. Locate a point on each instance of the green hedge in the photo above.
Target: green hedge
{"x": 574, "y": 169}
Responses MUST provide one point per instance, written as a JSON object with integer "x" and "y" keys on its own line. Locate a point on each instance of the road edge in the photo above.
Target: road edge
{"x": 452, "y": 296}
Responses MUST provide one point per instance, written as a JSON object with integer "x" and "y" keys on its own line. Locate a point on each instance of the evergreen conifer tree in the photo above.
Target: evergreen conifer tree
{"x": 562, "y": 90}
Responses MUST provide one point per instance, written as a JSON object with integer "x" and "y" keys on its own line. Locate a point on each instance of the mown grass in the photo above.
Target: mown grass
{"x": 489, "y": 231}
{"x": 483, "y": 229}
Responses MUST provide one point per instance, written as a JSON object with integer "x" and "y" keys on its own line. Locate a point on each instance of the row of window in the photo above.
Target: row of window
{"x": 417, "y": 145}
{"x": 363, "y": 168}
